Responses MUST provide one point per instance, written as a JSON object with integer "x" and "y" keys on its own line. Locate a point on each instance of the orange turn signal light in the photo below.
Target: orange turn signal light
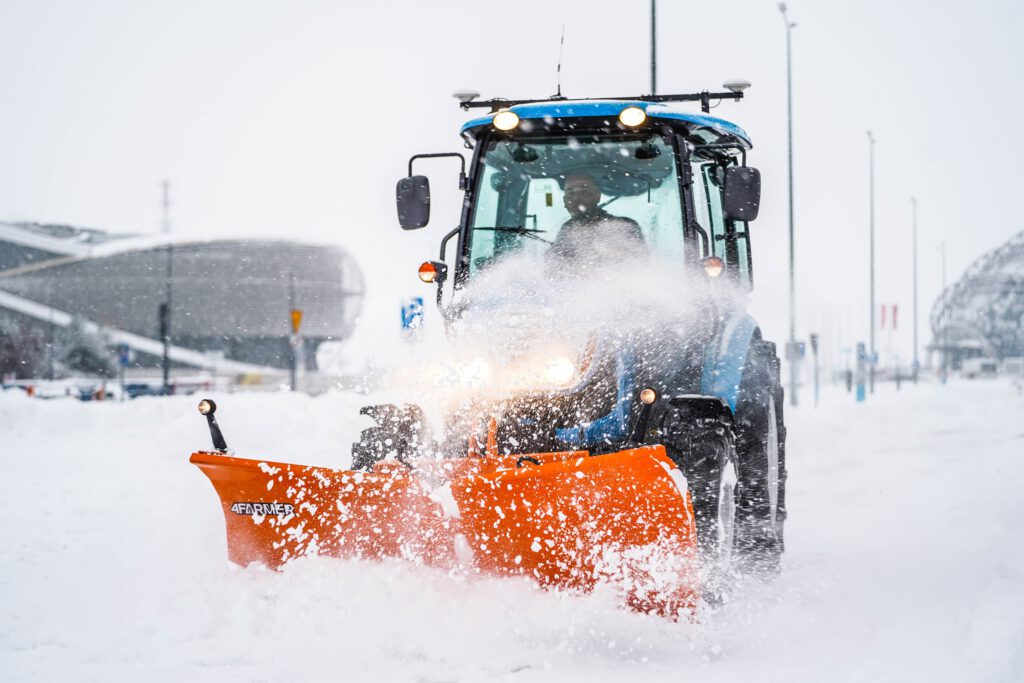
{"x": 428, "y": 272}
{"x": 713, "y": 266}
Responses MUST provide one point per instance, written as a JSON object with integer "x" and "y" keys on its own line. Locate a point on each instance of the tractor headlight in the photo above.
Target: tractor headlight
{"x": 539, "y": 372}
{"x": 560, "y": 370}
{"x": 474, "y": 373}
{"x": 505, "y": 120}
{"x": 713, "y": 266}
{"x": 632, "y": 116}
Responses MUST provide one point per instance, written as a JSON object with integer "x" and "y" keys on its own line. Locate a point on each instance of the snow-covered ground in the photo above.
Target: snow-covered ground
{"x": 905, "y": 560}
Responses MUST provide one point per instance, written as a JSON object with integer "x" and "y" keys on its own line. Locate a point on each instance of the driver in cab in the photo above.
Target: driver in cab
{"x": 591, "y": 233}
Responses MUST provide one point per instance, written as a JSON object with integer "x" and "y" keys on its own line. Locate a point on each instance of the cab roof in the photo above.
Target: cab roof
{"x": 564, "y": 109}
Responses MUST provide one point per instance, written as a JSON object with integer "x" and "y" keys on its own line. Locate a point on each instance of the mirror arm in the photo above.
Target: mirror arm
{"x": 745, "y": 235}
{"x": 727, "y": 145}
{"x": 463, "y": 184}
{"x": 440, "y": 283}
{"x": 703, "y": 237}
{"x": 445, "y": 240}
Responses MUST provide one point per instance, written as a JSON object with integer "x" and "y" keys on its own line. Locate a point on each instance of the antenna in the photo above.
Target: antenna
{"x": 561, "y": 45}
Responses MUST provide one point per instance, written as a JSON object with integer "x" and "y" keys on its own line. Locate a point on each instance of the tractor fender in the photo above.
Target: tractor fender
{"x": 725, "y": 357}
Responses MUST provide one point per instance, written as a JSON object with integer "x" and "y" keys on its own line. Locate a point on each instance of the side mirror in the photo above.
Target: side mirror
{"x": 413, "y": 197}
{"x": 742, "y": 196}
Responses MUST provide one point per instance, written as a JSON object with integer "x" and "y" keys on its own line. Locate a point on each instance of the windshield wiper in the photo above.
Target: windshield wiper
{"x": 520, "y": 230}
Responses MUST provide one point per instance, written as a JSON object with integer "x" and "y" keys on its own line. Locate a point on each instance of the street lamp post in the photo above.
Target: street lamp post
{"x": 944, "y": 372}
{"x": 165, "y": 307}
{"x": 791, "y": 350}
{"x": 871, "y": 195}
{"x": 654, "y": 51}
{"x": 917, "y": 364}
{"x": 293, "y": 343}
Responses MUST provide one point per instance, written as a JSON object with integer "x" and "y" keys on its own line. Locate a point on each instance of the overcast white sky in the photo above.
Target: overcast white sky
{"x": 295, "y": 118}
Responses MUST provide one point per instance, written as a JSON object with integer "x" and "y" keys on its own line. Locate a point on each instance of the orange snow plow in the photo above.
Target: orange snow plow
{"x": 569, "y": 520}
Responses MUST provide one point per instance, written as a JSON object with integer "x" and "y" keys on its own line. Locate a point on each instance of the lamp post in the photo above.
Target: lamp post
{"x": 791, "y": 347}
{"x": 293, "y": 343}
{"x": 871, "y": 199}
{"x": 654, "y": 53}
{"x": 917, "y": 364}
{"x": 165, "y": 307}
{"x": 944, "y": 372}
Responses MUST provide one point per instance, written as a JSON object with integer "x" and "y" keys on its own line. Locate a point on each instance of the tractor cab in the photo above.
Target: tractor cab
{"x": 577, "y": 185}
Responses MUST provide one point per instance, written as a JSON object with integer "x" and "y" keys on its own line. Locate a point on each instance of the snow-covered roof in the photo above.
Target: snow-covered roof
{"x": 62, "y": 240}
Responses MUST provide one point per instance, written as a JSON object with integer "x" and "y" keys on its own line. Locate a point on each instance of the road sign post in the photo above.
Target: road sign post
{"x": 296, "y": 320}
{"x": 814, "y": 350}
{"x": 862, "y": 362}
{"x": 124, "y": 359}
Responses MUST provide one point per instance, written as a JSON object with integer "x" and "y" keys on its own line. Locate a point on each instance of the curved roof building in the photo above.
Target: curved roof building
{"x": 982, "y": 314}
{"x": 229, "y": 296}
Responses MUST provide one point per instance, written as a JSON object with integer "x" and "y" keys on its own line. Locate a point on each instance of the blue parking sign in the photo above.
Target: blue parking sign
{"x": 124, "y": 355}
{"x": 412, "y": 313}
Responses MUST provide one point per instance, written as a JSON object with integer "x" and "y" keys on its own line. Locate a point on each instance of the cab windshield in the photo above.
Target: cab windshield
{"x": 573, "y": 196}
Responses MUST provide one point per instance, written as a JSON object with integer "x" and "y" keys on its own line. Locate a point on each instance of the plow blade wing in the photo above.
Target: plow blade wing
{"x": 276, "y": 512}
{"x": 572, "y": 521}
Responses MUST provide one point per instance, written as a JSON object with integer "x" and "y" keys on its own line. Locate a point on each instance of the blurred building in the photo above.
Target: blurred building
{"x": 981, "y": 315}
{"x": 231, "y": 299}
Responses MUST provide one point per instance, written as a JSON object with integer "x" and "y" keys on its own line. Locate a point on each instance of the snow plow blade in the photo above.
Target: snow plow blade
{"x": 569, "y": 520}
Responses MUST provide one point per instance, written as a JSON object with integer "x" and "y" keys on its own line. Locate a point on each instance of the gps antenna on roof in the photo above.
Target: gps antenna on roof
{"x": 465, "y": 96}
{"x": 561, "y": 44}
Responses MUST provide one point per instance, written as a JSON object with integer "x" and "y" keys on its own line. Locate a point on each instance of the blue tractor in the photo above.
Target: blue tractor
{"x": 618, "y": 189}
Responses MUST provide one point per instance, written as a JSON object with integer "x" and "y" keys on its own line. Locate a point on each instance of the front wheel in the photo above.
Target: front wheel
{"x": 709, "y": 462}
{"x": 704, "y": 446}
{"x": 761, "y": 436}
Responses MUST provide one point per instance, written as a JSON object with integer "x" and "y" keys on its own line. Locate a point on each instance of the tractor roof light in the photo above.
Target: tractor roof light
{"x": 207, "y": 407}
{"x": 632, "y": 116}
{"x": 648, "y": 396}
{"x": 506, "y": 120}
{"x": 713, "y": 266}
